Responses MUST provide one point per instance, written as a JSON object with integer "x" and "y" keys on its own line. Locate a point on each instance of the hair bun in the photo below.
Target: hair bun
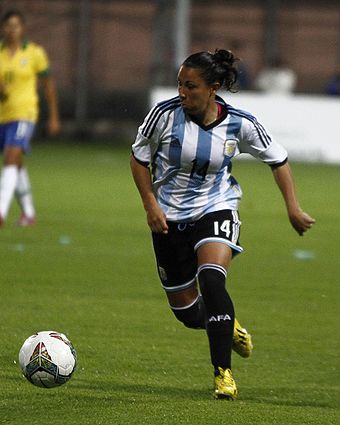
{"x": 215, "y": 67}
{"x": 224, "y": 57}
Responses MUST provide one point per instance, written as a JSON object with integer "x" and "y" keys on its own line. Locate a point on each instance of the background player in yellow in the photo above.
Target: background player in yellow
{"x": 22, "y": 64}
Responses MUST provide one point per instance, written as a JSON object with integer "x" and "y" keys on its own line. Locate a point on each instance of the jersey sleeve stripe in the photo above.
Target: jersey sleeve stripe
{"x": 263, "y": 135}
{"x": 155, "y": 115}
{"x": 155, "y": 110}
{"x": 153, "y": 124}
{"x": 267, "y": 139}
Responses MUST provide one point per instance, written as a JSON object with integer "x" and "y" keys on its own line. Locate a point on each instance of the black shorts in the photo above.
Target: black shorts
{"x": 176, "y": 251}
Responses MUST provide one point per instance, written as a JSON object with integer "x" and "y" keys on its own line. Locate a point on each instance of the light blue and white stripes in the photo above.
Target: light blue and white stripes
{"x": 191, "y": 164}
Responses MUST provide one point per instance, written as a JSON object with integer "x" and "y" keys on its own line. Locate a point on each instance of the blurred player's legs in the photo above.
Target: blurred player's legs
{"x": 8, "y": 183}
{"x": 15, "y": 141}
{"x": 24, "y": 196}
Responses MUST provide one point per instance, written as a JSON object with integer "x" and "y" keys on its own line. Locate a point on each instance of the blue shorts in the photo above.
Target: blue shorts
{"x": 16, "y": 133}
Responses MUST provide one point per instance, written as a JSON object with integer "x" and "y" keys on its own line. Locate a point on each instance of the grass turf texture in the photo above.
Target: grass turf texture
{"x": 87, "y": 270}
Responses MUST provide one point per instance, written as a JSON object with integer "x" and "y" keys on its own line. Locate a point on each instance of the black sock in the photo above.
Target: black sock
{"x": 193, "y": 316}
{"x": 220, "y": 314}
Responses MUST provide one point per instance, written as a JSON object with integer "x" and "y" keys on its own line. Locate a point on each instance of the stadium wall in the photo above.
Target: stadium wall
{"x": 308, "y": 126}
{"x": 121, "y": 46}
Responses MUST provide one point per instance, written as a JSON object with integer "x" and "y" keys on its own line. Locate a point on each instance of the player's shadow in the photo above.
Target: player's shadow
{"x": 121, "y": 391}
{"x": 278, "y": 397}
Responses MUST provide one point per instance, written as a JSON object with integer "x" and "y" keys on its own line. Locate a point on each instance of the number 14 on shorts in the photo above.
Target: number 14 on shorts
{"x": 223, "y": 227}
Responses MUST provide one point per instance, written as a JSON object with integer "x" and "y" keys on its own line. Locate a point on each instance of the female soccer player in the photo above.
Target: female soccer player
{"x": 191, "y": 199}
{"x": 21, "y": 64}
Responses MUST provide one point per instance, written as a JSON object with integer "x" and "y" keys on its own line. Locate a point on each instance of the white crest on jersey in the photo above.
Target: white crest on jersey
{"x": 230, "y": 147}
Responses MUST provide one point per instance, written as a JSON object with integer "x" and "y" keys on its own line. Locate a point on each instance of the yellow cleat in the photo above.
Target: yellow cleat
{"x": 242, "y": 344}
{"x": 225, "y": 386}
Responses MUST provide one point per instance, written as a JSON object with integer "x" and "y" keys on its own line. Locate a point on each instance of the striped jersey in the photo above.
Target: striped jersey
{"x": 191, "y": 163}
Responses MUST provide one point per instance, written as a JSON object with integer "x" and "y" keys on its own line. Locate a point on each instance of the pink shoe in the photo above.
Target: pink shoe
{"x": 25, "y": 221}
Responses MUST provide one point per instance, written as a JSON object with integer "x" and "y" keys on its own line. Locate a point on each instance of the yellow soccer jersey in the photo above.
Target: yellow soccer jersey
{"x": 19, "y": 75}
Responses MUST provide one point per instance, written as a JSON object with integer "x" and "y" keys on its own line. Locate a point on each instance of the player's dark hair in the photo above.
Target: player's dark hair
{"x": 10, "y": 14}
{"x": 218, "y": 66}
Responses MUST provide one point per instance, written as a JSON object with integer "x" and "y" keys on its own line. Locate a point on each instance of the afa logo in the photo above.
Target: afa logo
{"x": 219, "y": 318}
{"x": 24, "y": 61}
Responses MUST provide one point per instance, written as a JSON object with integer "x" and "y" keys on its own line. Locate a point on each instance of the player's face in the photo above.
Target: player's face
{"x": 13, "y": 29}
{"x": 195, "y": 94}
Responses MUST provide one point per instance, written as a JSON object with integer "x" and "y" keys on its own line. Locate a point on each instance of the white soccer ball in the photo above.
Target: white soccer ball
{"x": 48, "y": 359}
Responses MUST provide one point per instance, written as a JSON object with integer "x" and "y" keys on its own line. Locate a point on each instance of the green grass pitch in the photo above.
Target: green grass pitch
{"x": 87, "y": 269}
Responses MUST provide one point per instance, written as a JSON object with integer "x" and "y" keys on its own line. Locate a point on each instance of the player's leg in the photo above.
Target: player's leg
{"x": 24, "y": 197}
{"x": 23, "y": 189}
{"x": 216, "y": 243}
{"x": 177, "y": 267}
{"x": 9, "y": 177}
{"x": 188, "y": 307}
{"x": 213, "y": 261}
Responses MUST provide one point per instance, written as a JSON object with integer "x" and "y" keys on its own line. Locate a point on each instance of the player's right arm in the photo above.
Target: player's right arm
{"x": 155, "y": 216}
{"x": 143, "y": 151}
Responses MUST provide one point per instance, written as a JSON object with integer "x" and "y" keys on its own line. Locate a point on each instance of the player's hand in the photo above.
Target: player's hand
{"x": 53, "y": 127}
{"x": 301, "y": 221}
{"x": 157, "y": 219}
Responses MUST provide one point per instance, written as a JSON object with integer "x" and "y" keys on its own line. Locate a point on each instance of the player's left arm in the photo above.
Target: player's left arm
{"x": 254, "y": 139}
{"x": 53, "y": 124}
{"x": 300, "y": 220}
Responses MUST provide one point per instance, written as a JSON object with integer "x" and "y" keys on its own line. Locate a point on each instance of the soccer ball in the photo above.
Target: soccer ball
{"x": 47, "y": 359}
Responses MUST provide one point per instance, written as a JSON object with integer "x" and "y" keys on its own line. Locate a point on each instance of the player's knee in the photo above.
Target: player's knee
{"x": 192, "y": 316}
{"x": 13, "y": 156}
{"x": 187, "y": 319}
{"x": 211, "y": 278}
{"x": 219, "y": 306}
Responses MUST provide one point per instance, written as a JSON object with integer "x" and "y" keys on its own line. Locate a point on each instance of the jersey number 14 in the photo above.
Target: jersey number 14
{"x": 199, "y": 170}
{"x": 222, "y": 228}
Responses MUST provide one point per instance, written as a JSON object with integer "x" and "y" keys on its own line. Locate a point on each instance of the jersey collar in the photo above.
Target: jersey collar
{"x": 24, "y": 44}
{"x": 219, "y": 120}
